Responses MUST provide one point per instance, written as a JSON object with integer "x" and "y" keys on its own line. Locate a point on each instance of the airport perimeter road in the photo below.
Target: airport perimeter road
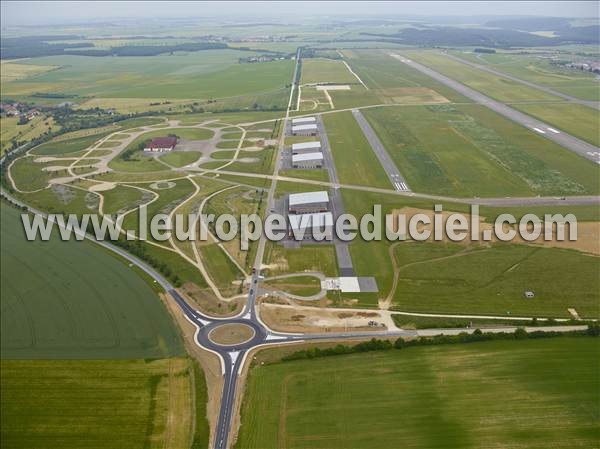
{"x": 397, "y": 180}
{"x": 548, "y": 90}
{"x": 568, "y": 141}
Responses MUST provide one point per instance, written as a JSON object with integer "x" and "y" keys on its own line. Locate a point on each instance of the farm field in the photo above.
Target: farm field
{"x": 52, "y": 305}
{"x": 452, "y": 396}
{"x": 538, "y": 70}
{"x": 430, "y": 144}
{"x": 355, "y": 160}
{"x": 99, "y": 403}
{"x": 10, "y": 130}
{"x": 575, "y": 119}
{"x": 196, "y": 75}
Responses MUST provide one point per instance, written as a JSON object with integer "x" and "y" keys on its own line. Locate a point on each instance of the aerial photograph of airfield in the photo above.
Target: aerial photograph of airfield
{"x": 440, "y": 118}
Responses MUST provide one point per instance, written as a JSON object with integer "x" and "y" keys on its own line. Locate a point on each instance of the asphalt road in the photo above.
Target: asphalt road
{"x": 567, "y": 141}
{"x": 397, "y": 180}
{"x": 548, "y": 90}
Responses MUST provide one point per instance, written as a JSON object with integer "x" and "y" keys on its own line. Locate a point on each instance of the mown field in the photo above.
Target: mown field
{"x": 355, "y": 160}
{"x": 431, "y": 144}
{"x": 72, "y": 300}
{"x": 540, "y": 71}
{"x": 99, "y": 403}
{"x": 453, "y": 396}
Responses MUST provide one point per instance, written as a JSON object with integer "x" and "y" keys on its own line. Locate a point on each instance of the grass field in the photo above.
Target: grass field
{"x": 495, "y": 86}
{"x": 381, "y": 73}
{"x": 99, "y": 403}
{"x": 355, "y": 160}
{"x": 180, "y": 158}
{"x": 483, "y": 279}
{"x": 527, "y": 394}
{"x": 452, "y": 279}
{"x": 122, "y": 198}
{"x": 53, "y": 305}
{"x": 540, "y": 71}
{"x": 325, "y": 71}
{"x": 430, "y": 145}
{"x": 306, "y": 258}
{"x": 575, "y": 119}
{"x": 197, "y": 75}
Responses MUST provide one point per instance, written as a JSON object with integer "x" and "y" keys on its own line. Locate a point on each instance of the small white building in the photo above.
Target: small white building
{"x": 303, "y": 120}
{"x": 308, "y": 160}
{"x": 304, "y": 130}
{"x": 308, "y": 226}
{"x": 308, "y": 202}
{"x": 306, "y": 147}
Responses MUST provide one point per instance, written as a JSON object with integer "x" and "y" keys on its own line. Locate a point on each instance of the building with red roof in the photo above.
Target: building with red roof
{"x": 161, "y": 144}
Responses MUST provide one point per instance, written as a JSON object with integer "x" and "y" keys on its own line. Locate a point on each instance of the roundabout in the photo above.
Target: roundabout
{"x": 231, "y": 334}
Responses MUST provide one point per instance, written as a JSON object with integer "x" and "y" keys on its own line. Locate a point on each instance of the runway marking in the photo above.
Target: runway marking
{"x": 400, "y": 186}
{"x": 539, "y": 131}
{"x": 553, "y": 130}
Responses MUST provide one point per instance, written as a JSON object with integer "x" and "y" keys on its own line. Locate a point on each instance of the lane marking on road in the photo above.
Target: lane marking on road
{"x": 555, "y": 131}
{"x": 539, "y": 130}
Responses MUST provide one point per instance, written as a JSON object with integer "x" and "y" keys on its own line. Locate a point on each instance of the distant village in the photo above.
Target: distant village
{"x": 24, "y": 112}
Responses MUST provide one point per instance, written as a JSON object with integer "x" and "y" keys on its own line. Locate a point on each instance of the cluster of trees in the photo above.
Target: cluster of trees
{"x": 33, "y": 46}
{"x": 495, "y": 38}
{"x": 464, "y": 337}
{"x": 136, "y": 248}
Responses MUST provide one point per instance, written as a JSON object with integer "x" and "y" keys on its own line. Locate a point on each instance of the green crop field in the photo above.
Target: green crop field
{"x": 541, "y": 71}
{"x": 575, "y": 119}
{"x": 430, "y": 145}
{"x": 100, "y": 403}
{"x": 72, "y": 300}
{"x": 324, "y": 71}
{"x": 197, "y": 75}
{"x": 527, "y": 394}
{"x": 355, "y": 160}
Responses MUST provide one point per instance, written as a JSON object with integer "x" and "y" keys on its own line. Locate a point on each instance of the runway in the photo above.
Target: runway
{"x": 560, "y": 137}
